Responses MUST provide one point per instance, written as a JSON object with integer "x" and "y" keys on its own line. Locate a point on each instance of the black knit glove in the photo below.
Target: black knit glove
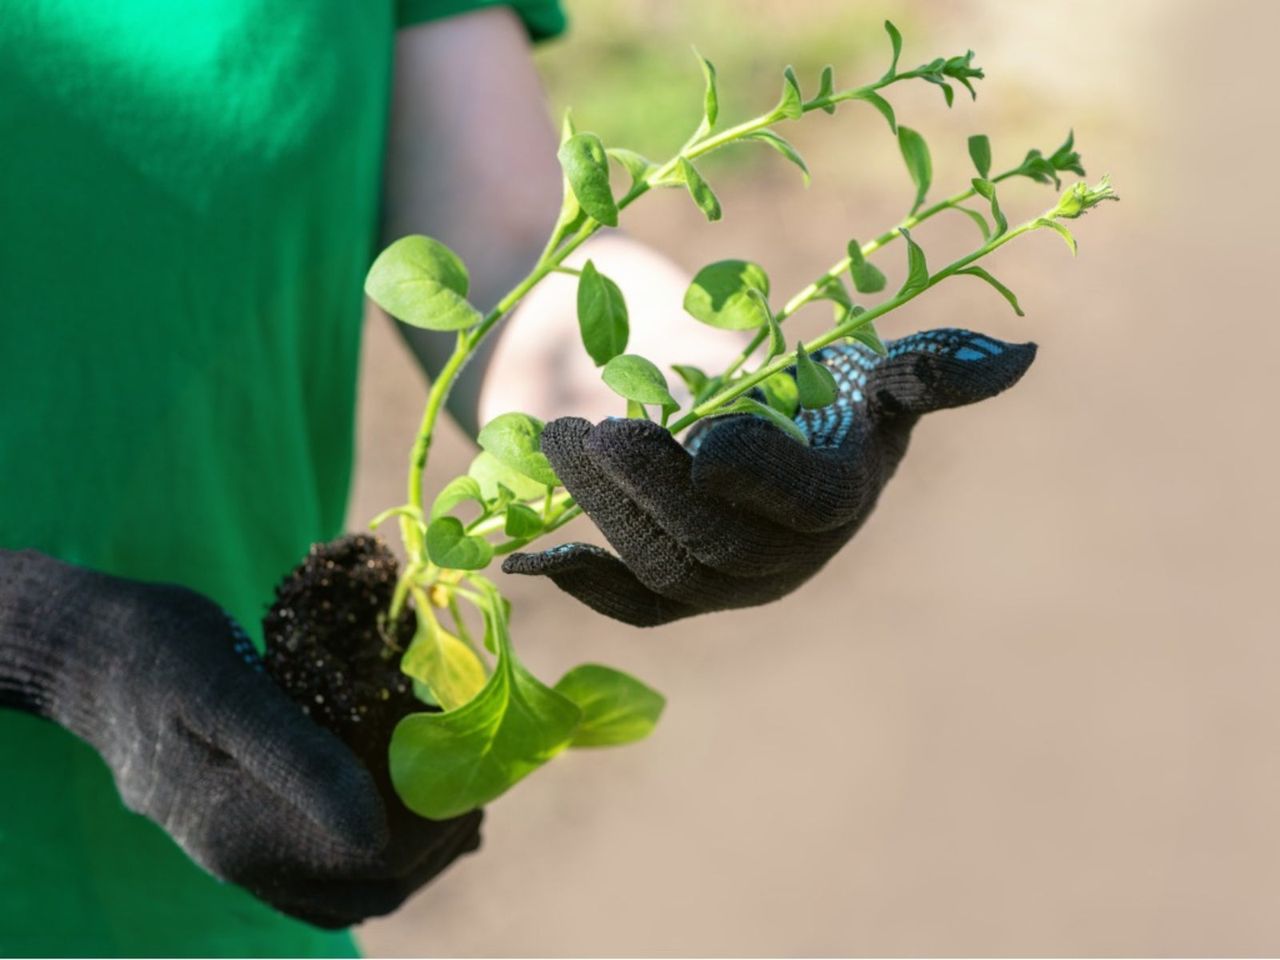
{"x": 746, "y": 514}
{"x": 172, "y": 695}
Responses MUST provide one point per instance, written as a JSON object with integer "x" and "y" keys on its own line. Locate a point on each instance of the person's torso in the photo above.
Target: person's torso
{"x": 188, "y": 202}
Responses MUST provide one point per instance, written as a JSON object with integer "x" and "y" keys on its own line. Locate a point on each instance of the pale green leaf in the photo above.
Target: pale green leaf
{"x": 895, "y": 38}
{"x": 446, "y": 764}
{"x": 586, "y": 167}
{"x": 635, "y": 378}
{"x": 421, "y": 282}
{"x": 523, "y": 522}
{"x": 815, "y": 383}
{"x": 514, "y": 439}
{"x": 783, "y": 147}
{"x": 980, "y": 153}
{"x": 493, "y": 475}
{"x": 699, "y": 189}
{"x": 1004, "y": 291}
{"x": 720, "y": 295}
{"x": 450, "y": 670}
{"x": 449, "y": 546}
{"x": 616, "y": 707}
{"x": 456, "y": 491}
{"x": 915, "y": 154}
{"x": 882, "y": 105}
{"x": 987, "y": 190}
{"x": 917, "y": 268}
{"x": 602, "y": 315}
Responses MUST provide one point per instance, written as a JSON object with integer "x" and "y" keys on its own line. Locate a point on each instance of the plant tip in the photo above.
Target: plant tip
{"x": 1081, "y": 198}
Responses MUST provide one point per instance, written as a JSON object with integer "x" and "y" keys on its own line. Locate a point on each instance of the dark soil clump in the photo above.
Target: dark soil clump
{"x": 325, "y": 647}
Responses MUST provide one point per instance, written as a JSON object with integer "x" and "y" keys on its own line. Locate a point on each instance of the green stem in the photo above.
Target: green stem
{"x": 564, "y": 240}
{"x": 551, "y": 260}
{"x": 838, "y": 268}
{"x": 842, "y": 330}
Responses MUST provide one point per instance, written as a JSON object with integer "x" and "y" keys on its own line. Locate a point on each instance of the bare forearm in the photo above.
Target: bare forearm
{"x": 470, "y": 161}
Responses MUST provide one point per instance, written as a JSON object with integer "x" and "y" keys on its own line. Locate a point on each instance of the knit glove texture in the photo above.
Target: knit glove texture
{"x": 169, "y": 690}
{"x": 742, "y": 514}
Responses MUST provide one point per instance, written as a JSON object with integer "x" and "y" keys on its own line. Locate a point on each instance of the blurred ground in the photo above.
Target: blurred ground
{"x": 1031, "y": 709}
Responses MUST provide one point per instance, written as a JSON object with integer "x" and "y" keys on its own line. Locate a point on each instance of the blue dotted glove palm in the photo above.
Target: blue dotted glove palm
{"x": 744, "y": 514}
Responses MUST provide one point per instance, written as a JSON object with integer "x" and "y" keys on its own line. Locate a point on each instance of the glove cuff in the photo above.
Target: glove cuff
{"x": 41, "y": 671}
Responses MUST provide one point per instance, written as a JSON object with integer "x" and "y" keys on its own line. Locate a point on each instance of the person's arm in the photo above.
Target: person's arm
{"x": 167, "y": 689}
{"x": 471, "y": 161}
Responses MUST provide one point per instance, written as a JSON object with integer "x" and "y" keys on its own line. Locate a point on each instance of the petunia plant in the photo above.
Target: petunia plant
{"x": 486, "y": 720}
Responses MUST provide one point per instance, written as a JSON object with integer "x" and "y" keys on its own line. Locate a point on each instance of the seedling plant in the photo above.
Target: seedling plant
{"x": 486, "y": 721}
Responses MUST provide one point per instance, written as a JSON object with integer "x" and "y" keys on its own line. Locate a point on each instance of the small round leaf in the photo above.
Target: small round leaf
{"x": 637, "y": 379}
{"x": 514, "y": 439}
{"x": 720, "y": 295}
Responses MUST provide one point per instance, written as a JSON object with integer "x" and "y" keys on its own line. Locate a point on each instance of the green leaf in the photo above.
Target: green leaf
{"x": 980, "y": 153}
{"x": 948, "y": 94}
{"x": 449, "y": 546}
{"x": 421, "y": 282}
{"x": 451, "y": 671}
{"x": 895, "y": 38}
{"x": 815, "y": 383}
{"x": 827, "y": 87}
{"x": 833, "y": 289}
{"x": 977, "y": 218}
{"x": 867, "y": 277}
{"x": 456, "y": 491}
{"x": 493, "y": 475}
{"x": 616, "y": 707}
{"x": 699, "y": 189}
{"x": 866, "y": 333}
{"x": 711, "y": 101}
{"x": 567, "y": 127}
{"x": 570, "y": 212}
{"x": 917, "y": 268}
{"x": 757, "y": 409}
{"x": 1064, "y": 158}
{"x": 637, "y": 166}
{"x": 720, "y": 296}
{"x": 693, "y": 378}
{"x": 883, "y": 105}
{"x": 523, "y": 523}
{"x": 709, "y": 389}
{"x": 783, "y": 147}
{"x": 915, "y": 153}
{"x": 961, "y": 69}
{"x": 602, "y": 315}
{"x": 1035, "y": 166}
{"x": 791, "y": 105}
{"x": 514, "y": 439}
{"x": 1060, "y": 230}
{"x": 445, "y": 764}
{"x": 505, "y": 496}
{"x": 777, "y": 343}
{"x": 987, "y": 190}
{"x": 586, "y": 166}
{"x": 635, "y": 378}
{"x": 1004, "y": 291}
{"x": 781, "y": 393}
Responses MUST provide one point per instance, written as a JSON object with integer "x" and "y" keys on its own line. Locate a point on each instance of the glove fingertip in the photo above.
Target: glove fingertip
{"x": 561, "y": 559}
{"x": 564, "y": 435}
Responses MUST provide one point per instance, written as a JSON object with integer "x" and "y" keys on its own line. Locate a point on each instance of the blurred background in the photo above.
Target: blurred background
{"x": 1031, "y": 709}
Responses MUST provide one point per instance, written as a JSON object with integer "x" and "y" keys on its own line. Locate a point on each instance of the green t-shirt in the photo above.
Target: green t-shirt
{"x": 188, "y": 203}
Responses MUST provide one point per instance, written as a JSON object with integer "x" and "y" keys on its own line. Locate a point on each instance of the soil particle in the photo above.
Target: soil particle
{"x": 326, "y": 647}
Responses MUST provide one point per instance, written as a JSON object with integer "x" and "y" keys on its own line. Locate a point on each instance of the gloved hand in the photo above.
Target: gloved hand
{"x": 746, "y": 514}
{"x": 171, "y": 693}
